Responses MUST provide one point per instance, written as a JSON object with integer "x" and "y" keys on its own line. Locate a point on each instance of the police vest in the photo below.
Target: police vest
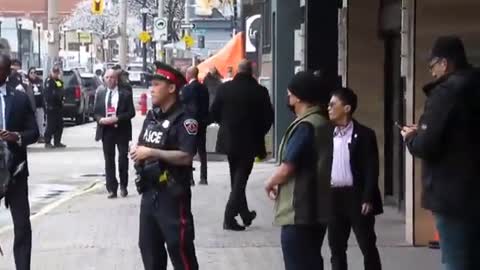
{"x": 155, "y": 133}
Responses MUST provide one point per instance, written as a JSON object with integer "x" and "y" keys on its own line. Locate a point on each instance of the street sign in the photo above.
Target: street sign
{"x": 144, "y": 37}
{"x": 189, "y": 41}
{"x": 85, "y": 37}
{"x": 144, "y": 10}
{"x": 199, "y": 31}
{"x": 188, "y": 26}
{"x": 161, "y": 29}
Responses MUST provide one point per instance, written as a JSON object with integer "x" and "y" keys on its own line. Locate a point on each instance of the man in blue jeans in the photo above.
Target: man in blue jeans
{"x": 301, "y": 184}
{"x": 446, "y": 139}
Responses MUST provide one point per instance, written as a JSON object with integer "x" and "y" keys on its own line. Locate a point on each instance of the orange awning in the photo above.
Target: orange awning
{"x": 228, "y": 56}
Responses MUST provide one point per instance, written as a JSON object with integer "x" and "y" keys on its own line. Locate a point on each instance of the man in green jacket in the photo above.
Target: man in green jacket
{"x": 301, "y": 184}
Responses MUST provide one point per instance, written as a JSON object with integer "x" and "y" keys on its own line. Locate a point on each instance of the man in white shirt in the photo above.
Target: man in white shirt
{"x": 114, "y": 110}
{"x": 355, "y": 193}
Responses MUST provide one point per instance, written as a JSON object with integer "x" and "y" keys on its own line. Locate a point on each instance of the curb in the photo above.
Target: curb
{"x": 49, "y": 207}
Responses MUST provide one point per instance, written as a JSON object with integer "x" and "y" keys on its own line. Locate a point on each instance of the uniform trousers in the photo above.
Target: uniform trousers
{"x": 54, "y": 127}
{"x": 166, "y": 220}
{"x": 17, "y": 201}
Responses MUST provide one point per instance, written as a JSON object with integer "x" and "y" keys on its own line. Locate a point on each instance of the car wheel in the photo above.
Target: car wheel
{"x": 80, "y": 118}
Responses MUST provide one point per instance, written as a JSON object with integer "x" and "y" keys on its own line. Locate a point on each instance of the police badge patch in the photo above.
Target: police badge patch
{"x": 191, "y": 125}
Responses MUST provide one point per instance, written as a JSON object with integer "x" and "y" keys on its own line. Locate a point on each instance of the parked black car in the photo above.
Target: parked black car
{"x": 79, "y": 95}
{"x": 90, "y": 83}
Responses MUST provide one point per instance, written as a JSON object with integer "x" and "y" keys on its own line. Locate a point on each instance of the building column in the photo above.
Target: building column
{"x": 286, "y": 17}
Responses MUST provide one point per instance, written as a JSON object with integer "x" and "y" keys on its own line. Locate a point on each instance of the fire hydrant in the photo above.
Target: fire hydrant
{"x": 143, "y": 103}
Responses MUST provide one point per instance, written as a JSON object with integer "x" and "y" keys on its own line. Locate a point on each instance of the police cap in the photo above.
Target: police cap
{"x": 164, "y": 72}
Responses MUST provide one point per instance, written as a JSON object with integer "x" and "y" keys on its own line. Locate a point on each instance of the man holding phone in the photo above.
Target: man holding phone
{"x": 446, "y": 139}
{"x": 18, "y": 129}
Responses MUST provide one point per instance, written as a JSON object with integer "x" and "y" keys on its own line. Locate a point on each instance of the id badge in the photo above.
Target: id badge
{"x": 111, "y": 111}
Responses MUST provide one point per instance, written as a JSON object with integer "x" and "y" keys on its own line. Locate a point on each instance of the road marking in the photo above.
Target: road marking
{"x": 46, "y": 209}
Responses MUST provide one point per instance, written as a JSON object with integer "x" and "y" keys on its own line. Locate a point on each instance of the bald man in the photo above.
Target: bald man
{"x": 114, "y": 110}
{"x": 195, "y": 98}
{"x": 242, "y": 108}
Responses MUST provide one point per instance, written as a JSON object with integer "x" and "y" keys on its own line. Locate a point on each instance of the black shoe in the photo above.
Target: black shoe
{"x": 49, "y": 146}
{"x": 60, "y": 145}
{"x": 233, "y": 226}
{"x": 124, "y": 192}
{"x": 248, "y": 220}
{"x": 112, "y": 195}
{"x": 203, "y": 182}
{"x": 41, "y": 140}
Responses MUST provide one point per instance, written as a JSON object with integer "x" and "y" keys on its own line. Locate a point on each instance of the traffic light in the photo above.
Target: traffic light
{"x": 98, "y": 6}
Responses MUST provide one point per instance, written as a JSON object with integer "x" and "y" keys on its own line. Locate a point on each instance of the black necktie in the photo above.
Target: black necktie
{"x": 109, "y": 101}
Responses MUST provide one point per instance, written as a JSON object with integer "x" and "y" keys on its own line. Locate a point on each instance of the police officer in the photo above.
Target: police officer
{"x": 163, "y": 158}
{"x": 54, "y": 98}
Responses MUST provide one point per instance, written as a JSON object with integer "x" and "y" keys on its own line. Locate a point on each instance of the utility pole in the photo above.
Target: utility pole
{"x": 161, "y": 14}
{"x": 123, "y": 51}
{"x": 53, "y": 30}
{"x": 144, "y": 28}
{"x": 188, "y": 30}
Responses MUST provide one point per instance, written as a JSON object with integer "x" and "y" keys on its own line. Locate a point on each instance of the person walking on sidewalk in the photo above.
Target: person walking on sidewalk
{"x": 243, "y": 110}
{"x": 163, "y": 160}
{"x": 446, "y": 140}
{"x": 113, "y": 112}
{"x": 54, "y": 98}
{"x": 301, "y": 184}
{"x": 196, "y": 101}
{"x": 37, "y": 87}
{"x": 356, "y": 198}
{"x": 18, "y": 129}
{"x": 212, "y": 81}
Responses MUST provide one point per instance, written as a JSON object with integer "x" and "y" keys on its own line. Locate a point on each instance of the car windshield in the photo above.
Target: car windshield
{"x": 135, "y": 68}
{"x": 69, "y": 78}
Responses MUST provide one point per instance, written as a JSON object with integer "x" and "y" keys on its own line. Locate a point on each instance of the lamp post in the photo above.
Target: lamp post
{"x": 91, "y": 51}
{"x": 19, "y": 34}
{"x": 39, "y": 46}
{"x": 144, "y": 12}
{"x": 79, "y": 53}
{"x": 65, "y": 30}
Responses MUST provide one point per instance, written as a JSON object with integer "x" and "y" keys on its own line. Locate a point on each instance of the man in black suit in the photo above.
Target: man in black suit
{"x": 355, "y": 192}
{"x": 196, "y": 101}
{"x": 114, "y": 110}
{"x": 18, "y": 129}
{"x": 243, "y": 110}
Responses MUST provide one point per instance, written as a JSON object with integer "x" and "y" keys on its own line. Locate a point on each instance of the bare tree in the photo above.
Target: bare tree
{"x": 104, "y": 26}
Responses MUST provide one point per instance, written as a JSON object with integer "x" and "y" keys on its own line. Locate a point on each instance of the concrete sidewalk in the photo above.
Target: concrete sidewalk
{"x": 91, "y": 232}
